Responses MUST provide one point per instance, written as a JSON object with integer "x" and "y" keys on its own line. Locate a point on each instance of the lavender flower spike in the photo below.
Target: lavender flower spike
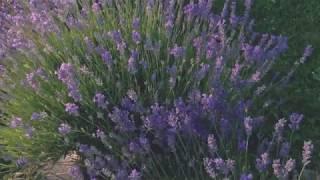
{"x": 263, "y": 162}
{"x": 307, "y": 151}
{"x": 209, "y": 167}
{"x": 295, "y": 120}
{"x": 177, "y": 51}
{"x": 307, "y": 52}
{"x": 246, "y": 176}
{"x": 64, "y": 129}
{"x": 134, "y": 175}
{"x": 72, "y": 109}
{"x": 75, "y": 172}
{"x": 22, "y": 161}
{"x": 212, "y": 143}
{"x": 136, "y": 24}
{"x": 248, "y": 124}
{"x": 132, "y": 62}
{"x": 107, "y": 58}
{"x": 279, "y": 127}
{"x": 15, "y": 122}
{"x": 100, "y": 100}
{"x": 136, "y": 37}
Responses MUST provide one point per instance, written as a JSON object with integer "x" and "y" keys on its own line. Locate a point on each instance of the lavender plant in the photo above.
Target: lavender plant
{"x": 146, "y": 89}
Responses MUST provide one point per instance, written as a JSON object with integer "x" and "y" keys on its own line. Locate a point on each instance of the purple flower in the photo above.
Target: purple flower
{"x": 122, "y": 120}
{"x": 72, "y": 109}
{"x": 209, "y": 166}
{"x": 64, "y": 129}
{"x": 132, "y": 95}
{"x": 246, "y": 176}
{"x": 212, "y": 143}
{"x": 16, "y": 122}
{"x": 219, "y": 63}
{"x": 241, "y": 146}
{"x": 134, "y": 175}
{"x": 201, "y": 73}
{"x": 132, "y": 62}
{"x": 279, "y": 127}
{"x": 107, "y": 58}
{"x": 248, "y": 4}
{"x": 66, "y": 74}
{"x": 295, "y": 120}
{"x": 136, "y": 24}
{"x": 177, "y": 51}
{"x": 230, "y": 165}
{"x": 256, "y": 76}
{"x": 169, "y": 17}
{"x": 136, "y": 37}
{"x": 171, "y": 139}
{"x": 234, "y": 19}
{"x": 277, "y": 171}
{"x": 21, "y": 162}
{"x": 83, "y": 148}
{"x": 307, "y": 53}
{"x": 75, "y": 172}
{"x": 100, "y": 134}
{"x": 96, "y": 7}
{"x": 31, "y": 80}
{"x": 262, "y": 163}
{"x": 248, "y": 124}
{"x": 282, "y": 172}
{"x": 191, "y": 10}
{"x": 235, "y": 71}
{"x": 89, "y": 43}
{"x": 290, "y": 165}
{"x": 29, "y": 131}
{"x": 134, "y": 147}
{"x": 117, "y": 38}
{"x": 100, "y": 100}
{"x": 128, "y": 104}
{"x": 225, "y": 167}
{"x": 144, "y": 143}
{"x": 307, "y": 152}
{"x": 35, "y": 116}
{"x": 173, "y": 75}
{"x": 149, "y": 6}
{"x": 284, "y": 150}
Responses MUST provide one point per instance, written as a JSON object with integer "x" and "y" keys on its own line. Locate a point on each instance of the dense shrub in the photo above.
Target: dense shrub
{"x": 145, "y": 90}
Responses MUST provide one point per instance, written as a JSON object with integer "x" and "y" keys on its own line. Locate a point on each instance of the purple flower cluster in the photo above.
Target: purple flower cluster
{"x": 282, "y": 171}
{"x": 21, "y": 162}
{"x": 133, "y": 62}
{"x": 32, "y": 78}
{"x": 75, "y": 172}
{"x": 295, "y": 121}
{"x": 263, "y": 162}
{"x": 16, "y": 122}
{"x": 117, "y": 38}
{"x": 64, "y": 129}
{"x": 100, "y": 100}
{"x": 177, "y": 51}
{"x": 72, "y": 109}
{"x": 107, "y": 58}
{"x": 218, "y": 166}
{"x": 66, "y": 74}
{"x": 307, "y": 151}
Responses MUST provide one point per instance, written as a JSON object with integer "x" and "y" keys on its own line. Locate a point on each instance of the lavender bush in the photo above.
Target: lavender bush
{"x": 145, "y": 89}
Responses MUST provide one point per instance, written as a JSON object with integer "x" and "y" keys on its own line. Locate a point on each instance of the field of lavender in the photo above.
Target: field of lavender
{"x": 160, "y": 89}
